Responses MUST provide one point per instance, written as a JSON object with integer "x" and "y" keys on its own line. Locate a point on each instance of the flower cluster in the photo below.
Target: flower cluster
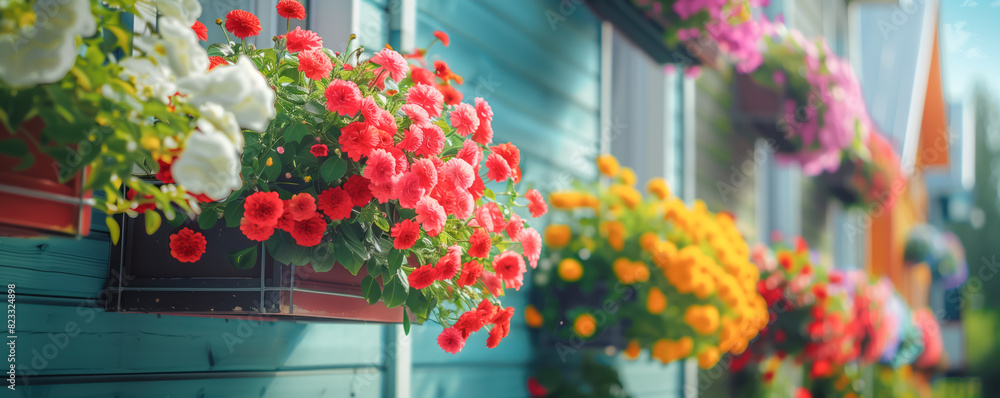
{"x": 156, "y": 107}
{"x": 825, "y": 114}
{"x": 876, "y": 178}
{"x": 679, "y": 275}
{"x": 374, "y": 163}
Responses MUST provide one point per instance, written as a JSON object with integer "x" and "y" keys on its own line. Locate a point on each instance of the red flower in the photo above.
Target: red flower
{"x": 433, "y": 141}
{"x": 510, "y": 267}
{"x": 406, "y": 233}
{"x": 291, "y": 9}
{"x": 451, "y": 340}
{"x": 421, "y": 76}
{"x": 309, "y": 232}
{"x": 319, "y": 150}
{"x": 536, "y": 203}
{"x": 802, "y": 392}
{"x": 496, "y": 335}
{"x": 215, "y": 61}
{"x": 492, "y": 283}
{"x": 130, "y": 195}
{"x": 442, "y": 71}
{"x": 302, "y": 206}
{"x": 498, "y": 168}
{"x": 514, "y": 226}
{"x": 358, "y": 139}
{"x": 426, "y": 97}
{"x": 164, "y": 174}
{"x": 477, "y": 187}
{"x": 800, "y": 245}
{"x": 255, "y": 231}
{"x": 480, "y": 243}
{"x": 200, "y": 30}
{"x": 357, "y": 187}
{"x": 422, "y": 277}
{"x": 536, "y": 389}
{"x": 315, "y": 64}
{"x": 242, "y": 24}
{"x": 450, "y": 264}
{"x": 187, "y": 246}
{"x": 263, "y": 208}
{"x": 343, "y": 97}
{"x": 303, "y": 40}
{"x": 471, "y": 271}
{"x": 450, "y": 94}
{"x": 335, "y": 203}
{"x": 441, "y": 36}
{"x": 510, "y": 153}
{"x": 391, "y": 65}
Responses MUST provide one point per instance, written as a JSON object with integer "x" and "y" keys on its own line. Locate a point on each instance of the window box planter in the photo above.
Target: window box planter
{"x": 144, "y": 278}
{"x": 34, "y": 201}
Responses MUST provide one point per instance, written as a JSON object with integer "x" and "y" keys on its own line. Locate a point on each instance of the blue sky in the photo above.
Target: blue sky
{"x": 970, "y": 50}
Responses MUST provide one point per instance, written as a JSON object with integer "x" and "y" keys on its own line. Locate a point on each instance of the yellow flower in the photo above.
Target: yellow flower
{"x": 533, "y": 317}
{"x": 557, "y": 235}
{"x": 570, "y": 270}
{"x": 704, "y": 319}
{"x": 151, "y": 143}
{"x": 629, "y": 272}
{"x": 614, "y": 231}
{"x": 627, "y": 195}
{"x": 608, "y": 165}
{"x": 656, "y": 302}
{"x": 585, "y": 325}
{"x": 566, "y": 200}
{"x": 632, "y": 350}
{"x": 708, "y": 358}
{"x": 270, "y": 162}
{"x": 649, "y": 240}
{"x": 667, "y": 350}
{"x": 307, "y": 178}
{"x": 627, "y": 176}
{"x": 659, "y": 188}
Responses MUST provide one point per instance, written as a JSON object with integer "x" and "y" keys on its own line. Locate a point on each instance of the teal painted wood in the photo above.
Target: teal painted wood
{"x": 361, "y": 385}
{"x": 373, "y": 33}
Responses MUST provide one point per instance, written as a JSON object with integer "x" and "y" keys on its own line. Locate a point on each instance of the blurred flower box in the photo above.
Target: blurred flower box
{"x": 145, "y": 278}
{"x": 34, "y": 201}
{"x": 761, "y": 108}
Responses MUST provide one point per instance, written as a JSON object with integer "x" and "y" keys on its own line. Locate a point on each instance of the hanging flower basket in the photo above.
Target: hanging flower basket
{"x": 146, "y": 278}
{"x": 35, "y": 201}
{"x": 761, "y": 108}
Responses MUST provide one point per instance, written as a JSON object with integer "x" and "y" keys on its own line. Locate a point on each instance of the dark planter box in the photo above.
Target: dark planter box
{"x": 144, "y": 278}
{"x": 761, "y": 108}
{"x": 607, "y": 335}
{"x": 648, "y": 34}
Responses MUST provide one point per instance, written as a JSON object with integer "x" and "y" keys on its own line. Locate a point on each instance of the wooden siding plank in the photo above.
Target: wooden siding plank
{"x": 364, "y": 385}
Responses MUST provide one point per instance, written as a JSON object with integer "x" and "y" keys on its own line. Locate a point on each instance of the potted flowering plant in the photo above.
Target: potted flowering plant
{"x": 668, "y": 278}
{"x": 373, "y": 172}
{"x": 812, "y": 117}
{"x": 869, "y": 177}
{"x": 85, "y": 118}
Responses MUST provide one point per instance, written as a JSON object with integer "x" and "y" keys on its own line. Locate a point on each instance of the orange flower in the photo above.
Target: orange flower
{"x": 659, "y": 188}
{"x": 585, "y": 325}
{"x": 570, "y": 270}
{"x": 608, "y": 165}
{"x": 633, "y": 350}
{"x": 656, "y": 302}
{"x": 532, "y": 317}
{"x": 708, "y": 358}
{"x": 557, "y": 235}
{"x": 704, "y": 319}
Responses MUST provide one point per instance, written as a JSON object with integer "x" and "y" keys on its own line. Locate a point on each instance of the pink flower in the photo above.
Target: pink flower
{"x": 458, "y": 203}
{"x": 687, "y": 34}
{"x": 492, "y": 283}
{"x": 390, "y": 62}
{"x": 490, "y": 216}
{"x": 669, "y": 69}
{"x": 433, "y": 141}
{"x": 422, "y": 277}
{"x": 303, "y": 40}
{"x": 380, "y": 167}
{"x": 450, "y": 264}
{"x": 457, "y": 174}
{"x": 431, "y": 216}
{"x": 427, "y": 171}
{"x": 417, "y": 114}
{"x": 470, "y": 153}
{"x": 499, "y": 169}
{"x": 480, "y": 243}
{"x": 426, "y": 97}
{"x": 514, "y": 226}
{"x": 382, "y": 192}
{"x": 464, "y": 119}
{"x": 413, "y": 139}
{"x": 531, "y": 245}
{"x": 451, "y": 341}
{"x": 484, "y": 134}
{"x": 778, "y": 77}
{"x": 343, "y": 97}
{"x": 408, "y": 190}
{"x": 315, "y": 64}
{"x": 536, "y": 203}
{"x": 509, "y": 267}
{"x": 692, "y": 71}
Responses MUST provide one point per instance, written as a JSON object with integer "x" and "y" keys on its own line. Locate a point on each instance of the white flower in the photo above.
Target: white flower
{"x": 177, "y": 47}
{"x": 150, "y": 80}
{"x": 46, "y": 52}
{"x": 187, "y": 11}
{"x": 214, "y": 116}
{"x": 209, "y": 165}
{"x": 239, "y": 88}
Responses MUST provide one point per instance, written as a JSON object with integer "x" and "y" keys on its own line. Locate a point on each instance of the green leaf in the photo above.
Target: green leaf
{"x": 395, "y": 291}
{"x": 244, "y": 259}
{"x": 323, "y": 258}
{"x": 406, "y": 322}
{"x": 296, "y": 132}
{"x": 489, "y": 194}
{"x": 382, "y": 223}
{"x": 153, "y": 221}
{"x": 272, "y": 172}
{"x": 418, "y": 304}
{"x": 207, "y": 219}
{"x": 374, "y": 268}
{"x": 14, "y": 147}
{"x": 395, "y": 259}
{"x": 114, "y": 229}
{"x": 220, "y": 50}
{"x": 332, "y": 169}
{"x": 233, "y": 214}
{"x": 372, "y": 291}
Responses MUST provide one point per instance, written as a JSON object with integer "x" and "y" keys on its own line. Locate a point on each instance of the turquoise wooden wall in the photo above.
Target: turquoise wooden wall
{"x": 538, "y": 64}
